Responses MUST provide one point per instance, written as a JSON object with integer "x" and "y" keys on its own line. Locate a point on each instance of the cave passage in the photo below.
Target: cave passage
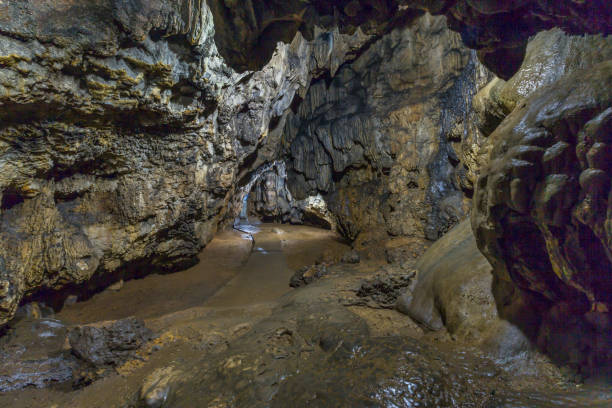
{"x": 305, "y": 203}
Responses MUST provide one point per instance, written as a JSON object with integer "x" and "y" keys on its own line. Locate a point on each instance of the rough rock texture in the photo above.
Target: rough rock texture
{"x": 268, "y": 197}
{"x": 307, "y": 275}
{"x": 549, "y": 56}
{"x": 499, "y": 29}
{"x": 376, "y": 140}
{"x": 542, "y": 210}
{"x": 33, "y": 355}
{"x": 247, "y": 31}
{"x": 110, "y": 344}
{"x": 123, "y": 134}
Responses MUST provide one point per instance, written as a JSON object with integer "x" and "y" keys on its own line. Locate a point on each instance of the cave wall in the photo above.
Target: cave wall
{"x": 123, "y": 135}
{"x": 498, "y": 29}
{"x": 382, "y": 139}
{"x": 541, "y": 211}
{"x": 125, "y": 132}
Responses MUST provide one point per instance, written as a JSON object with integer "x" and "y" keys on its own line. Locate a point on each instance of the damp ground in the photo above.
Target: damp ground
{"x": 231, "y": 332}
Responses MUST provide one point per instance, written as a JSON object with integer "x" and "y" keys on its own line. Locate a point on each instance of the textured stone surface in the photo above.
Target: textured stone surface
{"x": 109, "y": 344}
{"x": 247, "y": 31}
{"x": 123, "y": 134}
{"x": 550, "y": 55}
{"x": 455, "y": 291}
{"x": 33, "y": 354}
{"x": 542, "y": 206}
{"x": 376, "y": 139}
{"x": 499, "y": 29}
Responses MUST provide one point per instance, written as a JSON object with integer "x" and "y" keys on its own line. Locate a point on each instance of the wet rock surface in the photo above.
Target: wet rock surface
{"x": 126, "y": 136}
{"x": 314, "y": 352}
{"x": 376, "y": 139}
{"x": 546, "y": 194}
{"x": 156, "y": 389}
{"x": 451, "y": 294}
{"x": 45, "y": 352}
{"x": 109, "y": 344}
{"x": 33, "y": 354}
{"x": 308, "y": 348}
{"x": 308, "y": 274}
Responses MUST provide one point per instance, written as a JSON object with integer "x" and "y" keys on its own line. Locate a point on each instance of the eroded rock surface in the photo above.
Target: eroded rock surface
{"x": 109, "y": 344}
{"x": 499, "y": 29}
{"x": 124, "y": 134}
{"x": 542, "y": 212}
{"x": 33, "y": 354}
{"x": 377, "y": 140}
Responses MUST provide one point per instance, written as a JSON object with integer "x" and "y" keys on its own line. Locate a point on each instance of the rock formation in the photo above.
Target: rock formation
{"x": 378, "y": 139}
{"x": 499, "y": 29}
{"x": 122, "y": 135}
{"x": 127, "y": 129}
{"x": 541, "y": 212}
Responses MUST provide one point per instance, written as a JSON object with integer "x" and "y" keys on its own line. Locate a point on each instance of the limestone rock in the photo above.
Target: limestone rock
{"x": 123, "y": 134}
{"x": 109, "y": 344}
{"x": 307, "y": 275}
{"x": 550, "y": 55}
{"x": 454, "y": 286}
{"x": 376, "y": 140}
{"x": 499, "y": 29}
{"x": 542, "y": 212}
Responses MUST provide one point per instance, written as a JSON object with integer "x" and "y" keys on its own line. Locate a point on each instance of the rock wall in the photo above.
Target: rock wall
{"x": 542, "y": 213}
{"x": 382, "y": 139}
{"x": 499, "y": 29}
{"x": 123, "y": 135}
{"x": 541, "y": 208}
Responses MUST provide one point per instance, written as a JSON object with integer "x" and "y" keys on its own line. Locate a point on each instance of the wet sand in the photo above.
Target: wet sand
{"x": 156, "y": 295}
{"x": 235, "y": 269}
{"x": 237, "y": 331}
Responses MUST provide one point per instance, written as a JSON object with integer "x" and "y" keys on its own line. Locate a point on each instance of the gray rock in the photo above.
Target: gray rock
{"x": 375, "y": 139}
{"x": 109, "y": 344}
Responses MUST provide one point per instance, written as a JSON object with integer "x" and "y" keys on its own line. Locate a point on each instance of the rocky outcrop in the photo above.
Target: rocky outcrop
{"x": 499, "y": 29}
{"x": 247, "y": 31}
{"x": 542, "y": 213}
{"x": 455, "y": 292}
{"x": 96, "y": 102}
{"x": 378, "y": 139}
{"x": 110, "y": 344}
{"x": 124, "y": 133}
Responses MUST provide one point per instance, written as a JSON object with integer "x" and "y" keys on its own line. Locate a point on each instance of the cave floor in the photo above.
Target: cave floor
{"x": 232, "y": 333}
